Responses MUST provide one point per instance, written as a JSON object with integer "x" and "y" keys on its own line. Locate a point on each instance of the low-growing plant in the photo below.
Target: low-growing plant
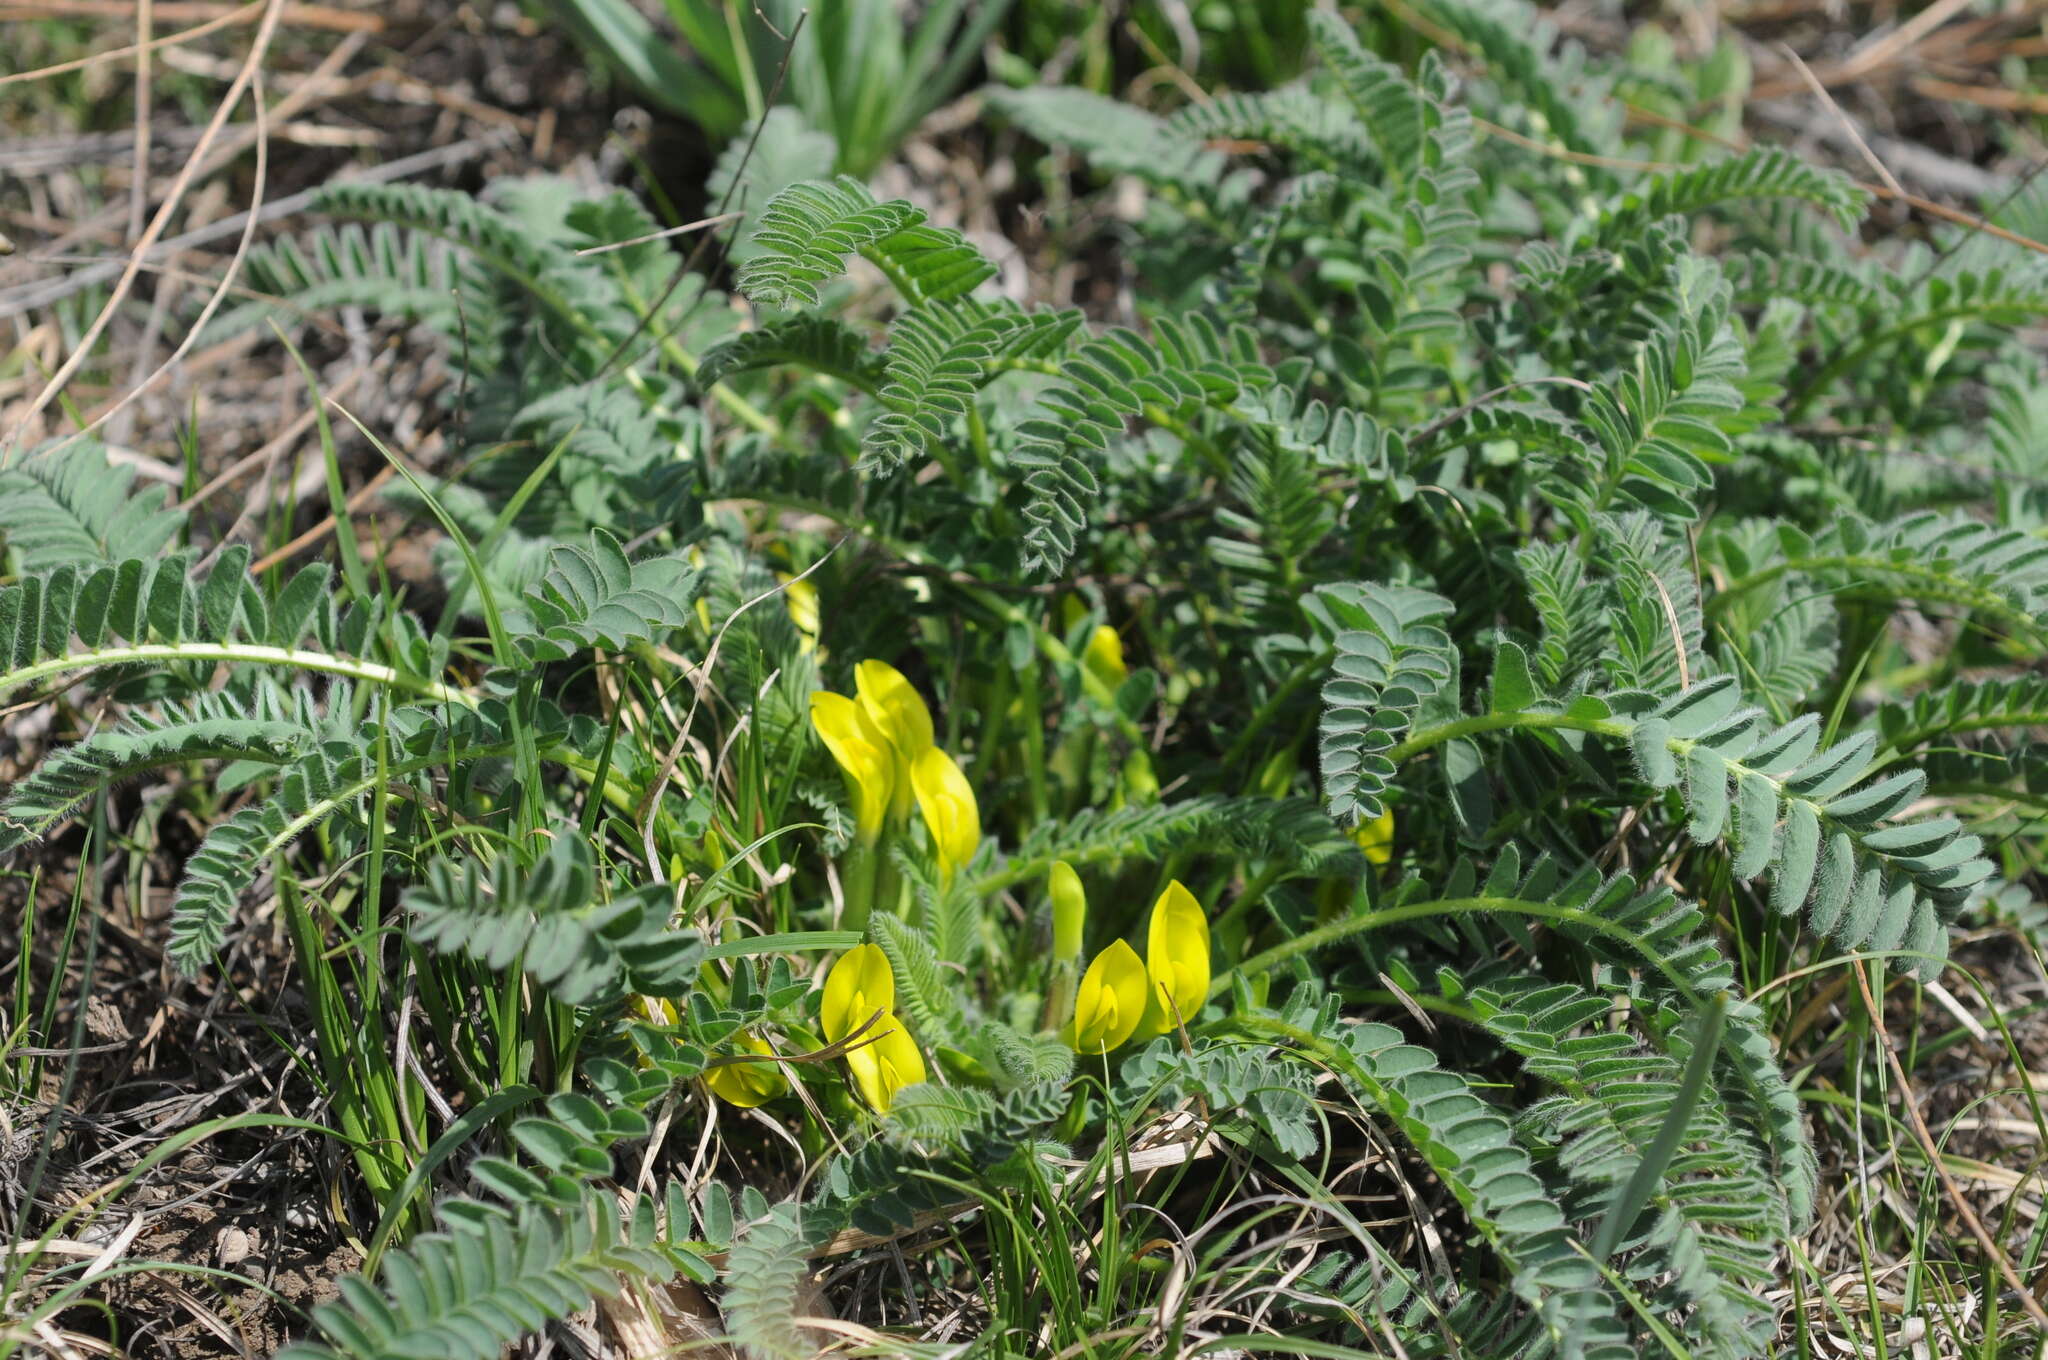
{"x": 1378, "y": 718}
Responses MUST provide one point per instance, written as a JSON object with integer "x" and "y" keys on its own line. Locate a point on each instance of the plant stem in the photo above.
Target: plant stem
{"x": 247, "y": 653}
{"x": 857, "y": 870}
{"x": 1365, "y": 922}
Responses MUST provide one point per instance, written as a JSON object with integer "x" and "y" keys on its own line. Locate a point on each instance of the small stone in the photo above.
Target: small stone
{"x": 233, "y": 1245}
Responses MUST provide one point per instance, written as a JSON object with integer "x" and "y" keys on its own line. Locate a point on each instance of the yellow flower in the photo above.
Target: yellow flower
{"x": 895, "y": 705}
{"x": 864, "y": 755}
{"x": 897, "y": 710}
{"x": 1105, "y": 657}
{"x": 886, "y": 1066}
{"x": 1176, "y": 961}
{"x": 1111, "y": 999}
{"x": 859, "y": 986}
{"x": 1069, "y": 910}
{"x": 747, "y": 1084}
{"x": 1376, "y": 837}
{"x": 801, "y": 597}
{"x": 950, "y": 811}
{"x": 703, "y": 605}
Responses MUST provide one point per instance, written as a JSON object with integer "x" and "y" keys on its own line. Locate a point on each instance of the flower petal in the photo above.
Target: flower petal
{"x": 864, "y": 755}
{"x": 1105, "y": 657}
{"x": 801, "y": 597}
{"x": 895, "y": 706}
{"x": 859, "y": 984}
{"x": 1376, "y": 837}
{"x": 884, "y": 1067}
{"x": 1109, "y": 1002}
{"x": 950, "y": 811}
{"x": 747, "y": 1084}
{"x": 1176, "y": 961}
{"x": 1069, "y": 910}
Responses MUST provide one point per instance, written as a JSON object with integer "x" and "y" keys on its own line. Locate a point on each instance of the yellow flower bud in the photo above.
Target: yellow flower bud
{"x": 1111, "y": 999}
{"x": 859, "y": 986}
{"x": 864, "y": 755}
{"x": 1105, "y": 657}
{"x": 747, "y": 1084}
{"x": 1069, "y": 910}
{"x": 1176, "y": 961}
{"x": 1141, "y": 785}
{"x": 950, "y": 811}
{"x": 1376, "y": 837}
{"x": 801, "y": 598}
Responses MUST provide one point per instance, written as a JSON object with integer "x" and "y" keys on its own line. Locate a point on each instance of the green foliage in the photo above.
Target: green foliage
{"x": 765, "y": 1269}
{"x": 1995, "y": 576}
{"x": 1768, "y": 172}
{"x": 1705, "y": 1247}
{"x": 491, "y": 1275}
{"x": 807, "y": 231}
{"x": 547, "y": 919}
{"x": 817, "y": 342}
{"x": 594, "y": 597}
{"x": 207, "y": 727}
{"x": 334, "y": 777}
{"x": 1390, "y": 658}
{"x": 382, "y": 268}
{"x": 1482, "y": 603}
{"x": 71, "y": 505}
{"x": 144, "y": 611}
{"x": 861, "y": 73}
{"x": 1835, "y": 846}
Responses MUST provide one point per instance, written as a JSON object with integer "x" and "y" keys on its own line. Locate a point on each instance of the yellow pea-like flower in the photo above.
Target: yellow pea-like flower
{"x": 1069, "y": 910}
{"x": 1111, "y": 998}
{"x": 1376, "y": 837}
{"x": 887, "y": 1065}
{"x": 951, "y": 813}
{"x": 1105, "y": 657}
{"x": 895, "y": 705}
{"x": 801, "y": 598}
{"x": 898, "y": 712}
{"x": 747, "y": 1084}
{"x": 1176, "y": 961}
{"x": 865, "y": 757}
{"x": 860, "y": 984}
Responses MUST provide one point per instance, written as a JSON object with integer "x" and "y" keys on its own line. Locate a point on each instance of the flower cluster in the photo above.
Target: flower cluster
{"x": 882, "y": 740}
{"x": 1122, "y": 997}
